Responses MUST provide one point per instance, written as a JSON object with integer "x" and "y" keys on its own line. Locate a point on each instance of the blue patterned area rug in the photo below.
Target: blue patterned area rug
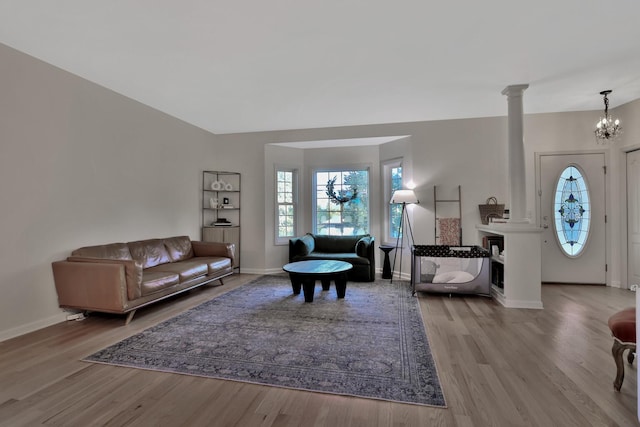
{"x": 370, "y": 344}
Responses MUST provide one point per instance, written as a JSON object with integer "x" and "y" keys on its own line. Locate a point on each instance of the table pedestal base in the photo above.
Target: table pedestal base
{"x": 386, "y": 265}
{"x": 308, "y": 284}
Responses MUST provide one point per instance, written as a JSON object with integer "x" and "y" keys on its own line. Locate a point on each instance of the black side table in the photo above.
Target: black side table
{"x": 386, "y": 268}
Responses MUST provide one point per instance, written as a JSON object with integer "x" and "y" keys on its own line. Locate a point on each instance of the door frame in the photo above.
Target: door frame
{"x": 607, "y": 196}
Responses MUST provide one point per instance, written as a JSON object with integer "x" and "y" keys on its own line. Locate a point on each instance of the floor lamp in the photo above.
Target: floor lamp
{"x": 404, "y": 197}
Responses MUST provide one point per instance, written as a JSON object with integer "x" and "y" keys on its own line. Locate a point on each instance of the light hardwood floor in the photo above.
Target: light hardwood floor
{"x": 497, "y": 366}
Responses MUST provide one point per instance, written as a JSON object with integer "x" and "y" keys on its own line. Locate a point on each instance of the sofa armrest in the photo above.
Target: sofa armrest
{"x": 365, "y": 247}
{"x": 100, "y": 286}
{"x": 132, "y": 272}
{"x": 221, "y": 249}
{"x": 301, "y": 246}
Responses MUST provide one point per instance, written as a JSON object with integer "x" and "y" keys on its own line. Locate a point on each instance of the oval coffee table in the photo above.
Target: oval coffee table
{"x": 305, "y": 273}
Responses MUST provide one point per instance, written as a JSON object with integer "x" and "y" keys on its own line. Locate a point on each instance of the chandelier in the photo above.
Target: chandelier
{"x": 607, "y": 129}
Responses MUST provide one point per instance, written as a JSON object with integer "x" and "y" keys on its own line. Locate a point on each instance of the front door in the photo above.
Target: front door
{"x": 589, "y": 266}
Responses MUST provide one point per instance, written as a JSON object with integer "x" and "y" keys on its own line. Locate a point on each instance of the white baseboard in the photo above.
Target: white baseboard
{"x": 514, "y": 303}
{"x": 403, "y": 276}
{"x": 274, "y": 271}
{"x": 261, "y": 271}
{"x": 33, "y": 326}
{"x": 535, "y": 305}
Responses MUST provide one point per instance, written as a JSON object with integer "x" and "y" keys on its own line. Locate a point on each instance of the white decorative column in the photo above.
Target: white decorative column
{"x": 517, "y": 186}
{"x": 521, "y": 258}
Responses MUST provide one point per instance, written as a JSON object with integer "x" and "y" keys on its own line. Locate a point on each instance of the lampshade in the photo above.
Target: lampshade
{"x": 404, "y": 196}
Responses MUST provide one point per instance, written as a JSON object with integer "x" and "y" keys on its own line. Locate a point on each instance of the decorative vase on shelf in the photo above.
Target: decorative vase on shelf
{"x": 213, "y": 203}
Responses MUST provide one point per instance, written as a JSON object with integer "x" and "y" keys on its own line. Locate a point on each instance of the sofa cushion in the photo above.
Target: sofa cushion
{"x": 179, "y": 248}
{"x": 351, "y": 258}
{"x": 216, "y": 264}
{"x": 305, "y": 245}
{"x": 110, "y": 251}
{"x": 155, "y": 281}
{"x": 185, "y": 269}
{"x": 336, "y": 243}
{"x": 149, "y": 252}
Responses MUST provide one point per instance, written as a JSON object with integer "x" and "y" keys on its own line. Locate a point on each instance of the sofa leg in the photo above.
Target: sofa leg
{"x": 129, "y": 317}
{"x": 221, "y": 282}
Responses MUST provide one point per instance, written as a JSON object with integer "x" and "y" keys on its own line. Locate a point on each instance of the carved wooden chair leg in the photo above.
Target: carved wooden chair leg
{"x": 618, "y": 351}
{"x": 623, "y": 328}
{"x": 129, "y": 317}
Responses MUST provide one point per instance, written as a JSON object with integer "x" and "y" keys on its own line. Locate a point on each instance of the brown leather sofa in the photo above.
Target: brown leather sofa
{"x": 122, "y": 277}
{"x": 359, "y": 251}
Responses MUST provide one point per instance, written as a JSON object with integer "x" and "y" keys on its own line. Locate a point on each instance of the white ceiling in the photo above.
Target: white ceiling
{"x": 241, "y": 66}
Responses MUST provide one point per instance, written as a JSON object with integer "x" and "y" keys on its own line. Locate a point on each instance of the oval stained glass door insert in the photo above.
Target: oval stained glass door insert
{"x": 572, "y": 211}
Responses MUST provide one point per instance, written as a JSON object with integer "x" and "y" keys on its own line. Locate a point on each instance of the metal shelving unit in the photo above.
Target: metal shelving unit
{"x": 221, "y": 208}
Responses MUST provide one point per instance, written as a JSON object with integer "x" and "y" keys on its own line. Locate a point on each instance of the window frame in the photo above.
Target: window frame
{"x": 338, "y": 169}
{"x": 387, "y": 187}
{"x": 278, "y": 239}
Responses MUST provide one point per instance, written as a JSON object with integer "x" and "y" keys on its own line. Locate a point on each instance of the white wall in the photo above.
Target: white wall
{"x": 471, "y": 153}
{"x": 290, "y": 158}
{"x": 81, "y": 165}
{"x": 435, "y": 153}
{"x": 573, "y": 132}
{"x": 628, "y": 114}
{"x": 399, "y": 149}
{"x": 237, "y": 153}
